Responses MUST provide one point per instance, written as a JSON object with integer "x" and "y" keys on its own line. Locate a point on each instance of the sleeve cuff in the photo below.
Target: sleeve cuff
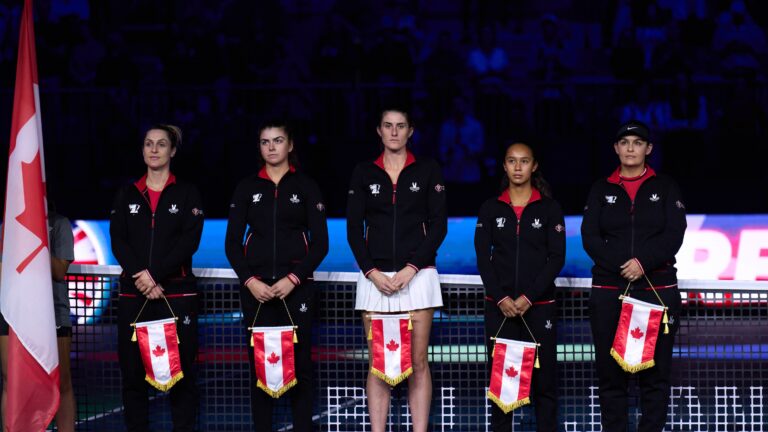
{"x": 527, "y": 299}
{"x": 638, "y": 263}
{"x": 499, "y": 302}
{"x": 293, "y": 278}
{"x": 416, "y": 269}
{"x": 248, "y": 280}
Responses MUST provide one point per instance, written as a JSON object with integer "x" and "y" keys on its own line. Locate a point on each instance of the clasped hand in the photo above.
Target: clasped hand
{"x": 264, "y": 293}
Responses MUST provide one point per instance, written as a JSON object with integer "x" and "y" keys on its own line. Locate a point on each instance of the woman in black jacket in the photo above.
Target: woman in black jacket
{"x": 633, "y": 226}
{"x": 155, "y": 226}
{"x": 276, "y": 238}
{"x": 520, "y": 247}
{"x": 396, "y": 221}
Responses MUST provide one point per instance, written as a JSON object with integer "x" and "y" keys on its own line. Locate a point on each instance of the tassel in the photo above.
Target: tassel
{"x": 410, "y": 324}
{"x": 133, "y": 337}
{"x": 665, "y": 320}
{"x": 536, "y": 363}
{"x": 177, "y": 339}
{"x": 251, "y": 338}
{"x": 493, "y": 351}
{"x": 295, "y": 337}
{"x": 370, "y": 332}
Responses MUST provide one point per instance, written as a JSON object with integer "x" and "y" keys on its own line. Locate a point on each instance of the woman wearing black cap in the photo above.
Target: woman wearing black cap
{"x": 520, "y": 247}
{"x": 633, "y": 226}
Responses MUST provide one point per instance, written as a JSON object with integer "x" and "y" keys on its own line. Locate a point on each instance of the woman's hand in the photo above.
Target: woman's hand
{"x": 522, "y": 305}
{"x": 382, "y": 282}
{"x": 143, "y": 282}
{"x": 261, "y": 291}
{"x": 403, "y": 277}
{"x": 155, "y": 292}
{"x": 631, "y": 270}
{"x": 282, "y": 288}
{"x": 508, "y": 308}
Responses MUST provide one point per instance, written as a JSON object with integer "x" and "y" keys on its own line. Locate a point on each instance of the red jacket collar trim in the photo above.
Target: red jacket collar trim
{"x": 141, "y": 184}
{"x": 615, "y": 177}
{"x": 263, "y": 172}
{"x": 409, "y": 159}
{"x": 535, "y": 196}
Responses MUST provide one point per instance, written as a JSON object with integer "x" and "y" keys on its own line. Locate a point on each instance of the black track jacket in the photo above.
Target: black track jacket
{"x": 650, "y": 229}
{"x": 287, "y": 233}
{"x": 391, "y": 226}
{"x": 162, "y": 243}
{"x": 520, "y": 257}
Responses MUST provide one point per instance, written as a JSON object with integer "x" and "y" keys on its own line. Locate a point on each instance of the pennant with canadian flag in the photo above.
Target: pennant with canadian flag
{"x": 390, "y": 337}
{"x": 511, "y": 373}
{"x": 635, "y": 342}
{"x": 274, "y": 359}
{"x": 25, "y": 287}
{"x": 159, "y": 348}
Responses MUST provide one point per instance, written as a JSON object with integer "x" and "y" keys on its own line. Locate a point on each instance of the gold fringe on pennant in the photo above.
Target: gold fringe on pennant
{"x": 167, "y": 386}
{"x": 508, "y": 407}
{"x": 631, "y": 368}
{"x": 279, "y": 392}
{"x": 390, "y": 381}
{"x": 665, "y": 320}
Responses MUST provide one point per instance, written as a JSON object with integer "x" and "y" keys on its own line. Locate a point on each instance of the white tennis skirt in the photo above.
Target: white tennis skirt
{"x": 422, "y": 292}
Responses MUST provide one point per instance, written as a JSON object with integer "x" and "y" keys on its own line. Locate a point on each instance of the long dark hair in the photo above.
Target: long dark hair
{"x": 537, "y": 179}
{"x": 285, "y": 125}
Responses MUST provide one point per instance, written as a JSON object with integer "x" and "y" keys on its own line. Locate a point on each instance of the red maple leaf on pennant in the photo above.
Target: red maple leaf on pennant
{"x": 273, "y": 358}
{"x": 33, "y": 216}
{"x": 637, "y": 333}
{"x": 158, "y": 351}
{"x": 392, "y": 345}
{"x": 511, "y": 372}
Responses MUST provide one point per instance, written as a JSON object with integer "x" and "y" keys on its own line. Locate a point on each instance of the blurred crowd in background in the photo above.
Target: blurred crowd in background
{"x": 476, "y": 75}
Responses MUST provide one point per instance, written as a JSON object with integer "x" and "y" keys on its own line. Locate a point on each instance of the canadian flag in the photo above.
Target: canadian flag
{"x": 635, "y": 341}
{"x": 274, "y": 359}
{"x": 511, "y": 373}
{"x": 390, "y": 337}
{"x": 25, "y": 287}
{"x": 159, "y": 348}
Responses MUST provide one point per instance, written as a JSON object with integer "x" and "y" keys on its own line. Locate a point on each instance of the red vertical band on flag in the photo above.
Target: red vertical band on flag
{"x": 286, "y": 341}
{"x": 499, "y": 354}
{"x": 405, "y": 346}
{"x": 30, "y": 401}
{"x": 26, "y": 75}
{"x": 651, "y": 334}
{"x": 172, "y": 346}
{"x": 142, "y": 336}
{"x": 620, "y": 341}
{"x": 526, "y": 373}
{"x": 377, "y": 330}
{"x": 258, "y": 352}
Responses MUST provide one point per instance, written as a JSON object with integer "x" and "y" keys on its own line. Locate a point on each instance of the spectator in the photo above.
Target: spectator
{"x": 462, "y": 145}
{"x": 739, "y": 41}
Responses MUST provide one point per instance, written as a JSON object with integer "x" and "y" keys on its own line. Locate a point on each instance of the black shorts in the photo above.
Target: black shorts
{"x": 60, "y": 331}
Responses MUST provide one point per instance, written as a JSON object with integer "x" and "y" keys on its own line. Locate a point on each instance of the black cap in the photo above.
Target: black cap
{"x": 634, "y": 127}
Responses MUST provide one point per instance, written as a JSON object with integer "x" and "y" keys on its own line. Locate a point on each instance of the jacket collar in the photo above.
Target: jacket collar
{"x": 141, "y": 184}
{"x": 409, "y": 159}
{"x": 535, "y": 196}
{"x": 616, "y": 178}
{"x": 263, "y": 172}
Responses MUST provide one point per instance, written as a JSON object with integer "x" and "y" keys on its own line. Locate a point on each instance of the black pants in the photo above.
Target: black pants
{"x": 301, "y": 303}
{"x": 542, "y": 320}
{"x": 184, "y": 394}
{"x": 604, "y": 311}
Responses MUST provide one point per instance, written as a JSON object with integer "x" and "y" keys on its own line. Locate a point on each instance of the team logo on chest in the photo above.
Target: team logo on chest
{"x": 500, "y": 221}
{"x": 375, "y": 188}
{"x": 654, "y": 198}
{"x": 294, "y": 199}
{"x": 610, "y": 199}
{"x": 303, "y": 307}
{"x": 559, "y": 228}
{"x": 548, "y": 326}
{"x": 414, "y": 187}
{"x": 173, "y": 209}
{"x": 257, "y": 197}
{"x": 536, "y": 224}
{"x": 134, "y": 208}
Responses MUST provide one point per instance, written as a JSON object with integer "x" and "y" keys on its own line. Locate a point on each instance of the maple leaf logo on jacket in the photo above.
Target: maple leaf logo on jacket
{"x": 273, "y": 358}
{"x": 637, "y": 333}
{"x": 511, "y": 372}
{"x": 392, "y": 345}
{"x": 158, "y": 351}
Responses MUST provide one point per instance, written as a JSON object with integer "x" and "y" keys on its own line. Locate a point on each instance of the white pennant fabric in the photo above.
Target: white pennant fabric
{"x": 274, "y": 359}
{"x": 159, "y": 347}
{"x": 511, "y": 373}
{"x": 635, "y": 342}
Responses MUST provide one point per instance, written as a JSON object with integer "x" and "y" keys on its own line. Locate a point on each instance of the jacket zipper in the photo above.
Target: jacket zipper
{"x": 274, "y": 235}
{"x": 517, "y": 252}
{"x": 394, "y": 226}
